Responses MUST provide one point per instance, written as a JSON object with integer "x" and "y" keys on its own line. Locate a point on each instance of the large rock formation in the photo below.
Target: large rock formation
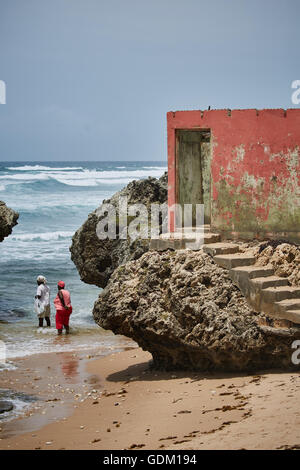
{"x": 284, "y": 257}
{"x": 185, "y": 310}
{"x": 8, "y": 219}
{"x": 97, "y": 259}
{"x": 181, "y": 306}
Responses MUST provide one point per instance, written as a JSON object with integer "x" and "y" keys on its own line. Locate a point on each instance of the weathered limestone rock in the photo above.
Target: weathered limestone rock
{"x": 8, "y": 219}
{"x": 285, "y": 259}
{"x": 187, "y": 312}
{"x": 97, "y": 259}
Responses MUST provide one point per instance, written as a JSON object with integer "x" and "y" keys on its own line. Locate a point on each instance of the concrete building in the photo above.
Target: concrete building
{"x": 243, "y": 165}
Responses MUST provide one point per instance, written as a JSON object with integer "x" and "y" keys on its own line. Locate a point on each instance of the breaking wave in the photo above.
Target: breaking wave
{"x": 72, "y": 176}
{"x": 42, "y": 168}
{"x": 47, "y": 236}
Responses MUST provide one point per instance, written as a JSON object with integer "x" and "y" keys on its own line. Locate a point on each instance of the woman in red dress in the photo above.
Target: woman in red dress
{"x": 63, "y": 307}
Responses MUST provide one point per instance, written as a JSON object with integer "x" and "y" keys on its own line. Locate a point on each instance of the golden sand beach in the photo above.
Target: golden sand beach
{"x": 123, "y": 404}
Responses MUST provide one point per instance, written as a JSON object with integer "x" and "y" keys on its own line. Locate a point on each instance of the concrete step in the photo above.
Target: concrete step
{"x": 265, "y": 300}
{"x": 254, "y": 290}
{"x": 182, "y": 241}
{"x": 276, "y": 294}
{"x": 221, "y": 248}
{"x": 293, "y": 316}
{"x": 283, "y": 306}
{"x": 269, "y": 281}
{"x": 205, "y": 228}
{"x": 250, "y": 272}
{"x": 211, "y": 238}
{"x": 242, "y": 277}
{"x": 289, "y": 315}
{"x": 191, "y": 236}
{"x": 234, "y": 260}
{"x": 163, "y": 245}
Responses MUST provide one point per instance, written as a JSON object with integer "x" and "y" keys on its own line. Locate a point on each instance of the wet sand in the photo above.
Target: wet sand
{"x": 55, "y": 382}
{"x": 118, "y": 402}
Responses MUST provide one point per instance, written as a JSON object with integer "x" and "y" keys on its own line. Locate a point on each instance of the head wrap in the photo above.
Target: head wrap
{"x": 41, "y": 279}
{"x": 61, "y": 284}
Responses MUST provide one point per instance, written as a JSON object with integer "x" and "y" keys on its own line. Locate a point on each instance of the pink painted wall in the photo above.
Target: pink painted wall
{"x": 255, "y": 169}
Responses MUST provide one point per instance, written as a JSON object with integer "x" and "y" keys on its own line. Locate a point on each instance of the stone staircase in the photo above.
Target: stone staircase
{"x": 264, "y": 291}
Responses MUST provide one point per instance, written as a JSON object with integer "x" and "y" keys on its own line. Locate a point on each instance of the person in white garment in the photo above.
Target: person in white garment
{"x": 42, "y": 301}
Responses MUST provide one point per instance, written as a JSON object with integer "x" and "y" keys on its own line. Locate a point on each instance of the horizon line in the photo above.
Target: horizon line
{"x": 80, "y": 161}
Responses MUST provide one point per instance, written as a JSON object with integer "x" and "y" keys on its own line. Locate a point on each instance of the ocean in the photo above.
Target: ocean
{"x": 53, "y": 200}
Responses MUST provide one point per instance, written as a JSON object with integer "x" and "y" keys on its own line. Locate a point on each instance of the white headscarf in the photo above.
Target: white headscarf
{"x": 42, "y": 279}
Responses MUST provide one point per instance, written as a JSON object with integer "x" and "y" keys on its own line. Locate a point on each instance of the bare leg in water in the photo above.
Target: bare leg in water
{"x": 59, "y": 332}
{"x": 41, "y": 321}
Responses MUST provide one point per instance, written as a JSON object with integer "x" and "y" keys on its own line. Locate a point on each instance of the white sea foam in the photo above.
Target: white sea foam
{"x": 21, "y": 403}
{"x": 163, "y": 168}
{"x": 143, "y": 173}
{"x": 85, "y": 177}
{"x": 94, "y": 182}
{"x": 42, "y": 168}
{"x": 106, "y": 174}
{"x": 47, "y": 236}
{"x": 31, "y": 254}
{"x": 19, "y": 408}
{"x": 78, "y": 182}
{"x": 7, "y": 365}
{"x": 25, "y": 177}
{"x": 84, "y": 337}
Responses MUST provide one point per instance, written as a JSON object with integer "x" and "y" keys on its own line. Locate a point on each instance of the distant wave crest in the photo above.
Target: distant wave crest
{"x": 46, "y": 236}
{"x": 42, "y": 168}
{"x": 81, "y": 177}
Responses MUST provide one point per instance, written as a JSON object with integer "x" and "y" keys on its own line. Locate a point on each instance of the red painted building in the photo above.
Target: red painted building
{"x": 249, "y": 172}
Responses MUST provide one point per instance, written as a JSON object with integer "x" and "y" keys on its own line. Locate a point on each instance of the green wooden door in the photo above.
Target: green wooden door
{"x": 193, "y": 171}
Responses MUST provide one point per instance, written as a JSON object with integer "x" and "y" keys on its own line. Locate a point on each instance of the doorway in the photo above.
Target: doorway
{"x": 193, "y": 151}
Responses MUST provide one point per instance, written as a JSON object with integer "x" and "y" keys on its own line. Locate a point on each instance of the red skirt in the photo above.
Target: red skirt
{"x": 62, "y": 318}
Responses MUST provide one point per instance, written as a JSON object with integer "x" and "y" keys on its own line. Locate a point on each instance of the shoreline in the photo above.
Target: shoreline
{"x": 139, "y": 408}
{"x": 52, "y": 382}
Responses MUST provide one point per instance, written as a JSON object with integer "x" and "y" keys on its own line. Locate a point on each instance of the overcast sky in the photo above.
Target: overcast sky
{"x": 93, "y": 79}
